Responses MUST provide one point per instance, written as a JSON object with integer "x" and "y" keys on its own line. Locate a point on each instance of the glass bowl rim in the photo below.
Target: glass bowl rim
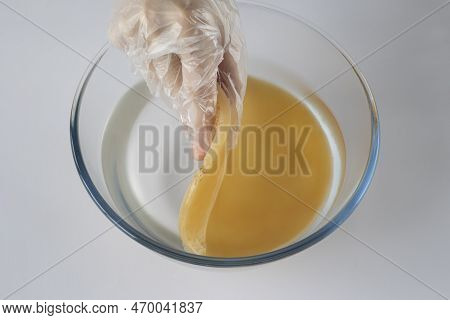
{"x": 289, "y": 250}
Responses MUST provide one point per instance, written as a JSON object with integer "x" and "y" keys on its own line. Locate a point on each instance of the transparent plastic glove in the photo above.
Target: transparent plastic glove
{"x": 186, "y": 49}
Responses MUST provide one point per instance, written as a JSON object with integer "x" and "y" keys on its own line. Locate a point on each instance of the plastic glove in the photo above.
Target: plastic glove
{"x": 186, "y": 49}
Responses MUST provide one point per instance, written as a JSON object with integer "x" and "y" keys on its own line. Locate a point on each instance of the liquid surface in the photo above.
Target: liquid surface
{"x": 237, "y": 211}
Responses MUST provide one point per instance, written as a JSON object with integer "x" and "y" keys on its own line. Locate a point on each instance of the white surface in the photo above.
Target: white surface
{"x": 46, "y": 212}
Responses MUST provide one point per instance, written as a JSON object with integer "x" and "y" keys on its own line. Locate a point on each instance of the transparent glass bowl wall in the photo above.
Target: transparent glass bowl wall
{"x": 282, "y": 49}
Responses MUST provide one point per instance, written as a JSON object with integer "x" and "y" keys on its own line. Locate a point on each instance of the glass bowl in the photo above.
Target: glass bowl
{"x": 111, "y": 103}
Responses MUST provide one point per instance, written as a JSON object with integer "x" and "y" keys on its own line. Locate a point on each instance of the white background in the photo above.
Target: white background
{"x": 46, "y": 212}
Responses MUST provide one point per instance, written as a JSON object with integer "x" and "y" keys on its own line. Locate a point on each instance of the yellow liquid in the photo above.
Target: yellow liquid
{"x": 235, "y": 211}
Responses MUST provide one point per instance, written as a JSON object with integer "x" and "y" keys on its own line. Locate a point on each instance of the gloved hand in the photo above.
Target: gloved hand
{"x": 186, "y": 49}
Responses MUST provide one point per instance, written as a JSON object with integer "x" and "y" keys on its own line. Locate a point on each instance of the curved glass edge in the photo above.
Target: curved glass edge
{"x": 301, "y": 245}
